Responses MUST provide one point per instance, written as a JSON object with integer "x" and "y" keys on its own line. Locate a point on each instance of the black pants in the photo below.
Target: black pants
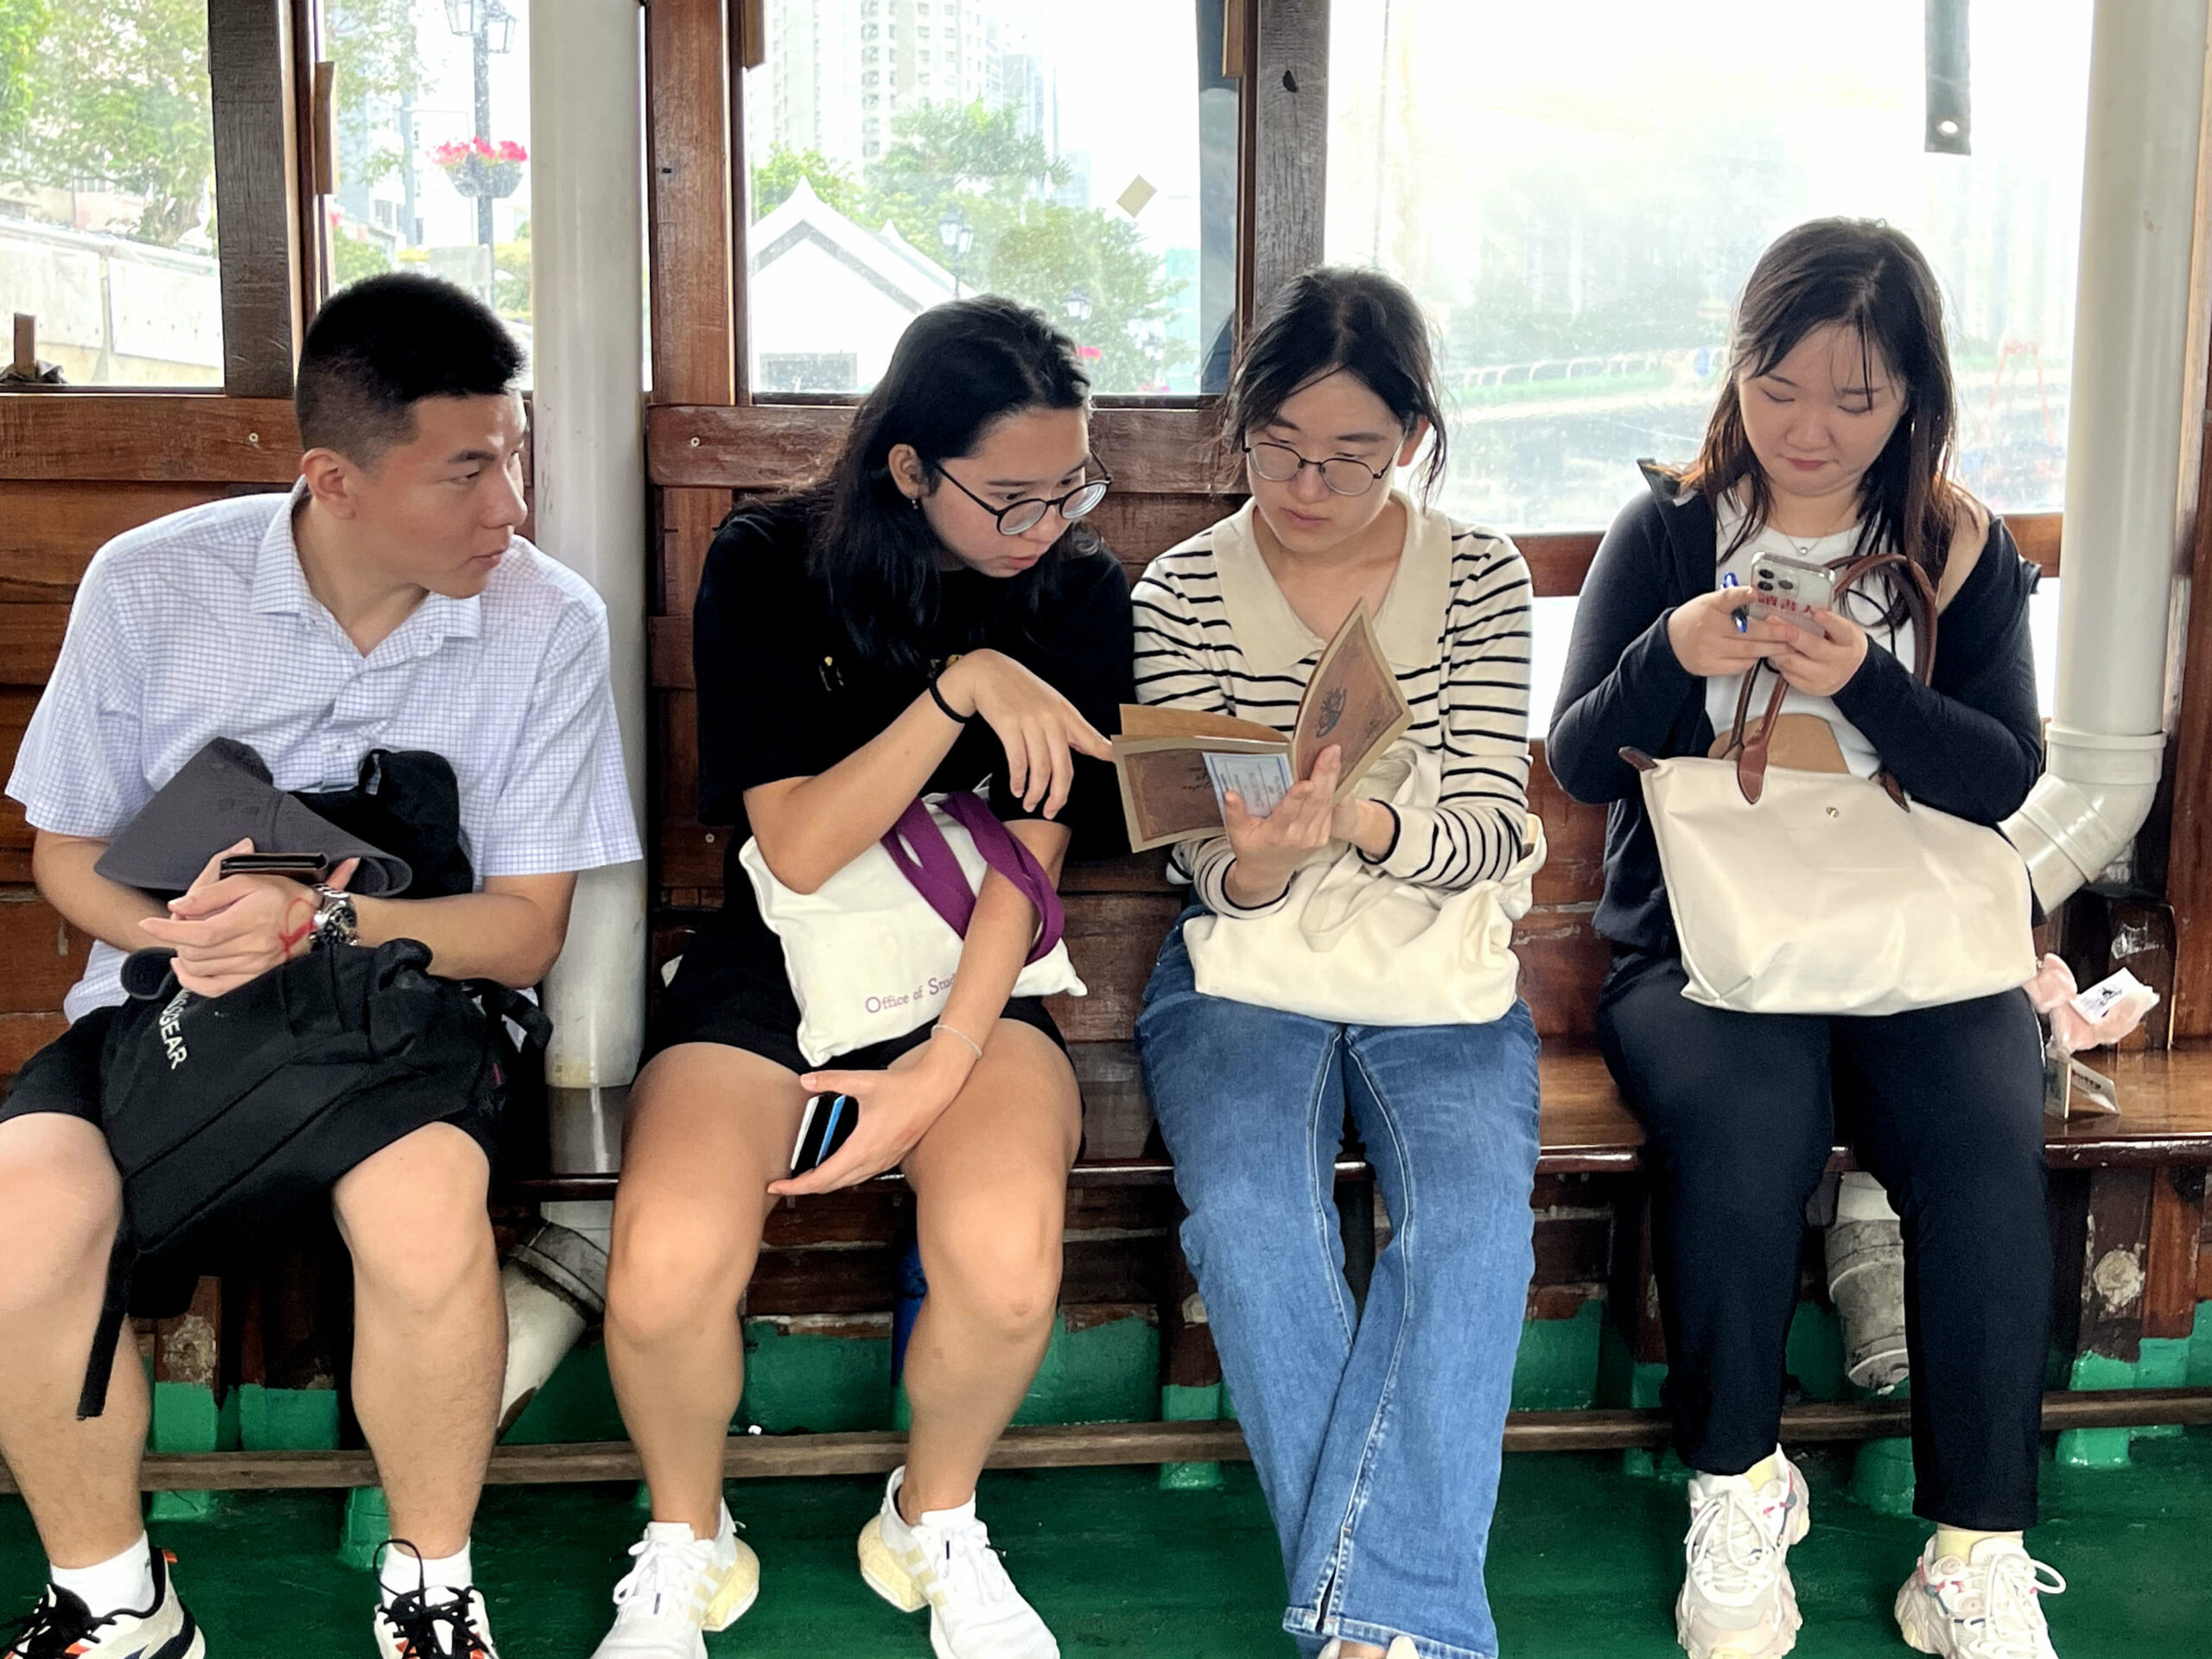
{"x": 1944, "y": 1106}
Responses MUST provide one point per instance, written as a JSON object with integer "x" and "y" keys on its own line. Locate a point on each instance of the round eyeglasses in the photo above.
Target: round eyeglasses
{"x": 1344, "y": 474}
{"x": 1019, "y": 518}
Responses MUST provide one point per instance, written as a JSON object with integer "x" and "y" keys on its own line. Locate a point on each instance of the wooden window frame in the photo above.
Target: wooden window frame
{"x": 253, "y": 72}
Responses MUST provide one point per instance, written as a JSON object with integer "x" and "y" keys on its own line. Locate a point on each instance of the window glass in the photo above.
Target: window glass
{"x": 1081, "y": 159}
{"x": 434, "y": 144}
{"x": 1577, "y": 194}
{"x": 107, "y": 172}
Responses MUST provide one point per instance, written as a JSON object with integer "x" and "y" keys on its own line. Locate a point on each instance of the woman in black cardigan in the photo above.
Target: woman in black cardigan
{"x": 1830, "y": 439}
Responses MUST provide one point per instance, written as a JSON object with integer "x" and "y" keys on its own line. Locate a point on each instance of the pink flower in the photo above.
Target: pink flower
{"x": 511, "y": 151}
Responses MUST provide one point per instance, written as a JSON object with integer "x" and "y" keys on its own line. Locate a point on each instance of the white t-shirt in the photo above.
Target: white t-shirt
{"x": 1865, "y": 605}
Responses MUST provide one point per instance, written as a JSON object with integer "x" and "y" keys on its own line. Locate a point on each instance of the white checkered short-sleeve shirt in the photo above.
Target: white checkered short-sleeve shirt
{"x": 200, "y": 625}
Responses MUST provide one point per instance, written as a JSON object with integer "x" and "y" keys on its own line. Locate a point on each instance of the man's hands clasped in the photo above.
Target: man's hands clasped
{"x": 227, "y": 930}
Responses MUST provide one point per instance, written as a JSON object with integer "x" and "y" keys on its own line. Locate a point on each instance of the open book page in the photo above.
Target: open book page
{"x": 1352, "y": 701}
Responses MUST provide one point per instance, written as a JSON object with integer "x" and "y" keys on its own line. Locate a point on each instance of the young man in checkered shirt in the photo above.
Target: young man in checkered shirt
{"x": 385, "y": 602}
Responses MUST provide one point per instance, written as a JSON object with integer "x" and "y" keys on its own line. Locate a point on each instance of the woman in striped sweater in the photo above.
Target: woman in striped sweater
{"x": 1376, "y": 1431}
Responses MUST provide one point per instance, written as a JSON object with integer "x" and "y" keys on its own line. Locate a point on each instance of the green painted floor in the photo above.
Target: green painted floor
{"x": 1584, "y": 1562}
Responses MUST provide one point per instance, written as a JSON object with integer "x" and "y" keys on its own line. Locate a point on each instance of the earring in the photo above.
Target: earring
{"x": 915, "y": 502}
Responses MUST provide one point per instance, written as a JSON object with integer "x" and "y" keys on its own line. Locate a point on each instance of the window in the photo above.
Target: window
{"x": 1576, "y": 197}
{"x": 1024, "y": 149}
{"x": 807, "y": 371}
{"x": 434, "y": 144}
{"x": 107, "y": 169}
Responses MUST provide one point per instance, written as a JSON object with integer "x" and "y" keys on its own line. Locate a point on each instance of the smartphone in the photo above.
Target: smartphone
{"x": 827, "y": 1124}
{"x": 307, "y": 866}
{"x": 1791, "y": 590}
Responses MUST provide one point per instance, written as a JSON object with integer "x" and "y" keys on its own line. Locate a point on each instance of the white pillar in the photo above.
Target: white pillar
{"x": 587, "y": 258}
{"x": 2125, "y": 438}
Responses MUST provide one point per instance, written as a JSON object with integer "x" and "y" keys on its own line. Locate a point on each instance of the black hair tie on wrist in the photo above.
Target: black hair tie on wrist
{"x": 950, "y": 713}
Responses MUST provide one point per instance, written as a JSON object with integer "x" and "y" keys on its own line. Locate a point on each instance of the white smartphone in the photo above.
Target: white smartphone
{"x": 1791, "y": 590}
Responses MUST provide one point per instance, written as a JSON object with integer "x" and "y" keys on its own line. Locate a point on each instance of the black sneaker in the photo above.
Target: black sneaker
{"x": 60, "y": 1627}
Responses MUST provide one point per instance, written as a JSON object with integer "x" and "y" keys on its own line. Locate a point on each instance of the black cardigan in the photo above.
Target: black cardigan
{"x": 1971, "y": 745}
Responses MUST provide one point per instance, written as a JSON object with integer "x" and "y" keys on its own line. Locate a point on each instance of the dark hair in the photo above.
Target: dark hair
{"x": 1336, "y": 318}
{"x": 378, "y": 348}
{"x": 1869, "y": 277}
{"x": 958, "y": 368}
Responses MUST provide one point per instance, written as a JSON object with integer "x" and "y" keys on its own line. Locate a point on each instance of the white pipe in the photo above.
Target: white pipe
{"x": 2124, "y": 461}
{"x": 587, "y": 254}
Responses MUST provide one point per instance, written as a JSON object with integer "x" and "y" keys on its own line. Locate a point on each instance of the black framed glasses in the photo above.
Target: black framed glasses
{"x": 1019, "y": 518}
{"x": 1344, "y": 474}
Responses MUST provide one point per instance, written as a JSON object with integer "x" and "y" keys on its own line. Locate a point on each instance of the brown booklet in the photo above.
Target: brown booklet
{"x": 1175, "y": 764}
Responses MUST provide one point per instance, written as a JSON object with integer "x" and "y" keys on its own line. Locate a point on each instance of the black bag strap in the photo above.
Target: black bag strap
{"x": 107, "y": 1335}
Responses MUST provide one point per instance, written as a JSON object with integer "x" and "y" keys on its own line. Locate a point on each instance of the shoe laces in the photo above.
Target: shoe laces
{"x": 51, "y": 1629}
{"x": 418, "y": 1617}
{"x": 963, "y": 1562}
{"x": 1998, "y": 1604}
{"x": 668, "y": 1574}
{"x": 1733, "y": 1549}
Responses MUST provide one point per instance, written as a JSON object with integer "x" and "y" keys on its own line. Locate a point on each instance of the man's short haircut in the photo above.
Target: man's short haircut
{"x": 377, "y": 348}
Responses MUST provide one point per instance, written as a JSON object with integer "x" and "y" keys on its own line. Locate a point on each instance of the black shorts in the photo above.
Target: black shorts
{"x": 723, "y": 993}
{"x": 64, "y": 1077}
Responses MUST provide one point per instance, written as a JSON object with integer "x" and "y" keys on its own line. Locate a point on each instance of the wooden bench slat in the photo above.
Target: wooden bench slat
{"x": 1091, "y": 1444}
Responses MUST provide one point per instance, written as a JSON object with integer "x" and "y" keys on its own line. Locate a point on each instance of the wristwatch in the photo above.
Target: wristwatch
{"x": 336, "y": 922}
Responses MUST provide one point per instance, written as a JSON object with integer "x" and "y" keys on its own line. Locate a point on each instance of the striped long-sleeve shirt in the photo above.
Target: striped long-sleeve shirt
{"x": 1214, "y": 633}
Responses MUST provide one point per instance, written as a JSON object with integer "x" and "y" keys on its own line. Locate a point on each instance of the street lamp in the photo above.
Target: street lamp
{"x": 957, "y": 235}
{"x": 491, "y": 27}
{"x": 1078, "y": 307}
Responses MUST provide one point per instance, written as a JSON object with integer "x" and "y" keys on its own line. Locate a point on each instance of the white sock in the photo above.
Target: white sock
{"x": 122, "y": 1583}
{"x": 404, "y": 1571}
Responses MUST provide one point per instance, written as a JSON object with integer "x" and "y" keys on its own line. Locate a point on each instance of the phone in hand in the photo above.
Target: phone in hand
{"x": 827, "y": 1124}
{"x": 1791, "y": 590}
{"x": 301, "y": 866}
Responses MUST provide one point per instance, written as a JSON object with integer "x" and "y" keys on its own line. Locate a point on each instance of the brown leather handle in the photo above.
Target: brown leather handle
{"x": 1919, "y": 606}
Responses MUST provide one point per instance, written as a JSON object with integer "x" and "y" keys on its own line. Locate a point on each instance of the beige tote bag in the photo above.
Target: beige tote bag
{"x": 1802, "y": 891}
{"x": 1354, "y": 945}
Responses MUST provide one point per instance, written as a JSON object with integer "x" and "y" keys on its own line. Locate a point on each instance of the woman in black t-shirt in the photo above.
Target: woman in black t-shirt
{"x": 925, "y": 618}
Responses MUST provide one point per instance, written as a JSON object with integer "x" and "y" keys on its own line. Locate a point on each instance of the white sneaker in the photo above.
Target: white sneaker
{"x": 60, "y": 1624}
{"x": 1986, "y": 1607}
{"x": 1737, "y": 1600}
{"x": 681, "y": 1585}
{"x": 1402, "y": 1647}
{"x": 435, "y": 1623}
{"x": 945, "y": 1561}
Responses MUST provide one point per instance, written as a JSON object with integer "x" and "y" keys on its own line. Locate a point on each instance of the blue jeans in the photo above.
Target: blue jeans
{"x": 1377, "y": 1436}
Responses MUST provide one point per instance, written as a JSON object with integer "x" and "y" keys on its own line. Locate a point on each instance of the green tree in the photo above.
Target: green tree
{"x": 118, "y": 95}
{"x": 379, "y": 61}
{"x": 352, "y": 257}
{"x": 22, "y": 26}
{"x": 778, "y": 175}
{"x": 969, "y": 160}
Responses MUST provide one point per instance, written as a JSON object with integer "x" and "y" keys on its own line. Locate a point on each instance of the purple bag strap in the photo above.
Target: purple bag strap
{"x": 935, "y": 872}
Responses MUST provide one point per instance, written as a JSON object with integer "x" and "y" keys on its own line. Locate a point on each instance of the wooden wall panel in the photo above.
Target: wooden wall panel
{"x": 690, "y": 215}
{"x": 164, "y": 438}
{"x": 2188, "y": 854}
{"x": 49, "y": 530}
{"x": 779, "y": 446}
{"x": 1290, "y": 99}
{"x": 250, "y": 62}
{"x": 41, "y": 955}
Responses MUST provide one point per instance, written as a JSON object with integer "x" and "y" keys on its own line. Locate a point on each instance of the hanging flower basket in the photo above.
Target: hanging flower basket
{"x": 478, "y": 167}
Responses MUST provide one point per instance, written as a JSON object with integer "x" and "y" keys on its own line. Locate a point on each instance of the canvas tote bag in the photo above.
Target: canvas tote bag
{"x": 1802, "y": 891}
{"x": 1352, "y": 945}
{"x": 872, "y": 952}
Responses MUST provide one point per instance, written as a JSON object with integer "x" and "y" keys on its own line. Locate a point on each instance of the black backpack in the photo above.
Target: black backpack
{"x": 227, "y": 1116}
